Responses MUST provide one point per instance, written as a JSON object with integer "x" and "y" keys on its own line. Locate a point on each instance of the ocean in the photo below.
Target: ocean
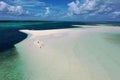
{"x": 11, "y": 65}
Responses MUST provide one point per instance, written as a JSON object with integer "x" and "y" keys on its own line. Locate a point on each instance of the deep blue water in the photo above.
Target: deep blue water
{"x": 10, "y": 35}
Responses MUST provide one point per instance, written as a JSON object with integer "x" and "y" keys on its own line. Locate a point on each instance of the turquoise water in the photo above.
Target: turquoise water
{"x": 101, "y": 52}
{"x": 12, "y": 66}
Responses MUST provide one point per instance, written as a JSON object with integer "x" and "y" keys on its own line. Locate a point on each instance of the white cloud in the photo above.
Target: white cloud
{"x": 19, "y": 10}
{"x": 88, "y": 5}
{"x": 16, "y": 9}
{"x": 116, "y": 14}
{"x": 10, "y": 9}
{"x": 92, "y": 7}
{"x": 73, "y": 7}
{"x": 77, "y": 2}
{"x": 76, "y": 8}
{"x": 47, "y": 12}
{"x": 3, "y": 5}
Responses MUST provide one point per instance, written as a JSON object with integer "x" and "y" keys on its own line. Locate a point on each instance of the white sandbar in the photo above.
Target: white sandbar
{"x": 71, "y": 54}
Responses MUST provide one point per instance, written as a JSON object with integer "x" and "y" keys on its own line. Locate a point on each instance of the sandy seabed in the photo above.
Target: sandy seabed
{"x": 71, "y": 54}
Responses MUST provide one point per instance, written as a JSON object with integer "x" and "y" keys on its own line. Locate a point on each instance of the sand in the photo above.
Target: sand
{"x": 71, "y": 54}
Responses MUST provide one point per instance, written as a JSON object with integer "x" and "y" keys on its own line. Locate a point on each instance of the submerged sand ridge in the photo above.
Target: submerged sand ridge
{"x": 71, "y": 54}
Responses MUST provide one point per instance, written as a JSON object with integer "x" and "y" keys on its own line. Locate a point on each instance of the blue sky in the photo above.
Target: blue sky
{"x": 63, "y": 10}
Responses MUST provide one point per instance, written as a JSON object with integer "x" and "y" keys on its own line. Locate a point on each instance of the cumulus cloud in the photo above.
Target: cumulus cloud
{"x": 16, "y": 9}
{"x": 47, "y": 12}
{"x": 3, "y": 5}
{"x": 88, "y": 5}
{"x": 10, "y": 9}
{"x": 116, "y": 14}
{"x": 44, "y": 13}
{"x": 92, "y": 7}
{"x": 76, "y": 8}
{"x": 73, "y": 7}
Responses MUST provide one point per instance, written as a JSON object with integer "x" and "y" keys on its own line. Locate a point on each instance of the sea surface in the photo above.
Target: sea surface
{"x": 11, "y": 67}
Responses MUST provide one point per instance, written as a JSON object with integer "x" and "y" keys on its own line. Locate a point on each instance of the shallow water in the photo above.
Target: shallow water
{"x": 112, "y": 38}
{"x": 11, "y": 66}
{"x": 101, "y": 53}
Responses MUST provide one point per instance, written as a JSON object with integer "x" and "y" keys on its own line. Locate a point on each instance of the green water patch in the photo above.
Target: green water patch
{"x": 11, "y": 66}
{"x": 112, "y": 37}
